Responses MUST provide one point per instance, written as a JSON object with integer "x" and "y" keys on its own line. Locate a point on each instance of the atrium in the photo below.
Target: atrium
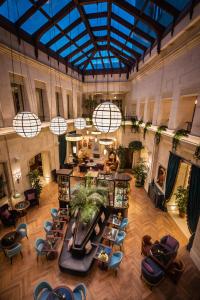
{"x": 99, "y": 149}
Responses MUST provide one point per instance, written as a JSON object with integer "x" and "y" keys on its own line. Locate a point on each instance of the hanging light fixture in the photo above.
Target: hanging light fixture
{"x": 73, "y": 137}
{"x": 96, "y": 132}
{"x": 106, "y": 142}
{"x": 107, "y": 117}
{"x": 26, "y": 124}
{"x": 79, "y": 123}
{"x": 58, "y": 125}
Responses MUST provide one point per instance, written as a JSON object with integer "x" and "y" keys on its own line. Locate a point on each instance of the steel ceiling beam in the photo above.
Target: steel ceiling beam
{"x": 172, "y": 10}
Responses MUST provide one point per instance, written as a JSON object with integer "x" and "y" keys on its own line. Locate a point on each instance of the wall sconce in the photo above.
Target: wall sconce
{"x": 17, "y": 176}
{"x": 104, "y": 151}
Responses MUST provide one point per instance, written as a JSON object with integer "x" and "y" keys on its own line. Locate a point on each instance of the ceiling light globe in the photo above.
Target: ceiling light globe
{"x": 27, "y": 124}
{"x": 107, "y": 117}
{"x": 58, "y": 125}
{"x": 80, "y": 123}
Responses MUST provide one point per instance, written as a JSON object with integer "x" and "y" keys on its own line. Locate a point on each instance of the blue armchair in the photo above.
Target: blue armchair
{"x": 39, "y": 243}
{"x": 123, "y": 224}
{"x": 42, "y": 291}
{"x": 115, "y": 261}
{"x": 151, "y": 273}
{"x": 120, "y": 239}
{"x": 54, "y": 213}
{"x": 48, "y": 226}
{"x": 22, "y": 229}
{"x": 79, "y": 292}
{"x": 16, "y": 249}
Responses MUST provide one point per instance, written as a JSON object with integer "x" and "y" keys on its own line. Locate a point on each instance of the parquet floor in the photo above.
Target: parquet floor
{"x": 18, "y": 280}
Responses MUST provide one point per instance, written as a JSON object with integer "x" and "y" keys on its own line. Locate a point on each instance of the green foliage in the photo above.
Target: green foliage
{"x": 177, "y": 137}
{"x": 88, "y": 201}
{"x": 121, "y": 152}
{"x": 34, "y": 178}
{"x": 158, "y": 133}
{"x": 135, "y": 146}
{"x": 140, "y": 172}
{"x": 147, "y": 125}
{"x": 135, "y": 125}
{"x": 197, "y": 152}
{"x": 182, "y": 198}
{"x": 90, "y": 104}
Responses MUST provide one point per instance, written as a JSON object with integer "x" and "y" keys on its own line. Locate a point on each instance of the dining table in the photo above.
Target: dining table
{"x": 61, "y": 293}
{"x": 110, "y": 233}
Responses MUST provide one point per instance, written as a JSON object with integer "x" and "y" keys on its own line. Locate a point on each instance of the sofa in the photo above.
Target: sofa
{"x": 151, "y": 273}
{"x": 76, "y": 260}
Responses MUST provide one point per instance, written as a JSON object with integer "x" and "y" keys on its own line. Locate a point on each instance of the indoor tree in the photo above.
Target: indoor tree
{"x": 140, "y": 172}
{"x": 88, "y": 201}
{"x": 34, "y": 178}
{"x": 182, "y": 200}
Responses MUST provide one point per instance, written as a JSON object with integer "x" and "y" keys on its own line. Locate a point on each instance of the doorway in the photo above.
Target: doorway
{"x": 181, "y": 180}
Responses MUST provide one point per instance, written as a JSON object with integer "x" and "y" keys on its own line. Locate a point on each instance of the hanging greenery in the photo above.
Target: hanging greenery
{"x": 135, "y": 146}
{"x": 136, "y": 124}
{"x": 197, "y": 152}
{"x": 147, "y": 125}
{"x": 159, "y": 132}
{"x": 177, "y": 137}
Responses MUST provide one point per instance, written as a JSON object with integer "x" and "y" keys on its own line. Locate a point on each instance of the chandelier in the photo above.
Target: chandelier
{"x": 107, "y": 117}
{"x": 27, "y": 124}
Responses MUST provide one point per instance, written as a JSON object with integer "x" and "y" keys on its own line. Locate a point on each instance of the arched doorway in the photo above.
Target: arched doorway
{"x": 41, "y": 163}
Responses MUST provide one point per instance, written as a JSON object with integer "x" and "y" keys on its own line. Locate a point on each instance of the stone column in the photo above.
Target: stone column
{"x": 196, "y": 120}
{"x": 172, "y": 124}
{"x": 156, "y": 110}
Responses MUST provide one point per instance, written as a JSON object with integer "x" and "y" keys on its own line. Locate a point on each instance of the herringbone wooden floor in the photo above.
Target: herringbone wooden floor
{"x": 18, "y": 280}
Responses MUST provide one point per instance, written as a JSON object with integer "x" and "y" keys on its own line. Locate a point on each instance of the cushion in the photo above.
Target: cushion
{"x": 88, "y": 247}
{"x": 6, "y": 214}
{"x": 73, "y": 227}
{"x": 70, "y": 243}
{"x": 97, "y": 229}
{"x": 103, "y": 217}
{"x": 171, "y": 242}
{"x": 31, "y": 196}
{"x": 148, "y": 267}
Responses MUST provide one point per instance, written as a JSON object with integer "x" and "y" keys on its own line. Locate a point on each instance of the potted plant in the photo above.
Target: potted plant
{"x": 158, "y": 133}
{"x": 140, "y": 172}
{"x": 87, "y": 201}
{"x": 177, "y": 137}
{"x": 181, "y": 200}
{"x": 34, "y": 178}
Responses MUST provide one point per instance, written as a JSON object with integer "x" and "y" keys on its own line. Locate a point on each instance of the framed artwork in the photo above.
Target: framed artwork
{"x": 161, "y": 176}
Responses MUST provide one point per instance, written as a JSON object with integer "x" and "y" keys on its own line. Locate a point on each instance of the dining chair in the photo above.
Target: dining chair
{"x": 39, "y": 243}
{"x": 16, "y": 249}
{"x": 48, "y": 226}
{"x": 22, "y": 230}
{"x": 42, "y": 290}
{"x": 123, "y": 224}
{"x": 80, "y": 292}
{"x": 115, "y": 261}
{"x": 54, "y": 213}
{"x": 120, "y": 239}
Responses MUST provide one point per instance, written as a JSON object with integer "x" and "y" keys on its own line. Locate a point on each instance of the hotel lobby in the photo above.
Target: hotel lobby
{"x": 100, "y": 149}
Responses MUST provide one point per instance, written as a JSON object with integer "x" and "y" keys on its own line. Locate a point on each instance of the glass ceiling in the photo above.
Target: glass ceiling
{"x": 91, "y": 37}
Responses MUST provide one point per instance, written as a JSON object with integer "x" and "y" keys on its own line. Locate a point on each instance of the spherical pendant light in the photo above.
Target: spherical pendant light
{"x": 106, "y": 142}
{"x": 107, "y": 117}
{"x": 58, "y": 125}
{"x": 80, "y": 123}
{"x": 26, "y": 124}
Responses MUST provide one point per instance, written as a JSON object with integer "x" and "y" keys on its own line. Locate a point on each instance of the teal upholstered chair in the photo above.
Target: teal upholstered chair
{"x": 39, "y": 243}
{"x": 42, "y": 291}
{"x": 48, "y": 226}
{"x": 22, "y": 229}
{"x": 79, "y": 292}
{"x": 16, "y": 249}
{"x": 115, "y": 261}
{"x": 120, "y": 239}
{"x": 54, "y": 213}
{"x": 123, "y": 224}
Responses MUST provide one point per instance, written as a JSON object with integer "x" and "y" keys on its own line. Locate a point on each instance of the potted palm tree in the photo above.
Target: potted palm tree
{"x": 88, "y": 201}
{"x": 140, "y": 172}
{"x": 181, "y": 200}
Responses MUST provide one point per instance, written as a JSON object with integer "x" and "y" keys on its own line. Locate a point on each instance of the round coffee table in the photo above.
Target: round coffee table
{"x": 10, "y": 239}
{"x": 21, "y": 207}
{"x": 63, "y": 291}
